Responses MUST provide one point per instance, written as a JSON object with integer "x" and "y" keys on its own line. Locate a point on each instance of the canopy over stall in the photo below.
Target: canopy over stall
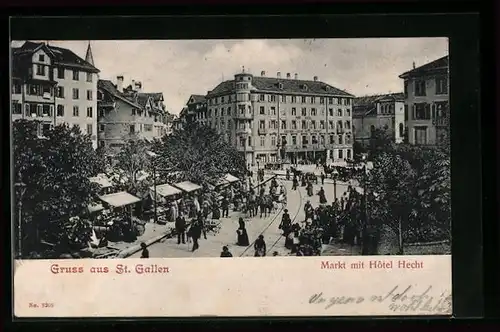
{"x": 231, "y": 178}
{"x": 95, "y": 208}
{"x": 119, "y": 199}
{"x": 164, "y": 190}
{"x": 102, "y": 180}
{"x": 187, "y": 186}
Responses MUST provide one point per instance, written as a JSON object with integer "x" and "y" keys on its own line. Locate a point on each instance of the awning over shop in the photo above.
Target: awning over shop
{"x": 231, "y": 178}
{"x": 187, "y": 186}
{"x": 121, "y": 198}
{"x": 164, "y": 190}
{"x": 102, "y": 180}
{"x": 95, "y": 208}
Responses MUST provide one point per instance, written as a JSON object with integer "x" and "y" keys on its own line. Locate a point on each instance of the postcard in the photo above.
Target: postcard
{"x": 319, "y": 169}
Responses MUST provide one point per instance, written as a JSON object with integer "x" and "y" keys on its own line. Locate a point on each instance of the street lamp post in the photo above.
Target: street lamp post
{"x": 335, "y": 174}
{"x": 20, "y": 189}
{"x": 153, "y": 156}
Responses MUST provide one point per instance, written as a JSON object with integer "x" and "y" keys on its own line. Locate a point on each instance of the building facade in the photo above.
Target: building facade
{"x": 272, "y": 119}
{"x": 379, "y": 112}
{"x": 54, "y": 85}
{"x": 128, "y": 114}
{"x": 426, "y": 90}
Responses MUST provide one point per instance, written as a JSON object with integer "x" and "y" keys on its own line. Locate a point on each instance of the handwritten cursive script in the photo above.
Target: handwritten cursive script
{"x": 398, "y": 299}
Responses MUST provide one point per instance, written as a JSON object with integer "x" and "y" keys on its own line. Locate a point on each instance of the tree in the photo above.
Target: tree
{"x": 380, "y": 141}
{"x": 56, "y": 171}
{"x": 132, "y": 159}
{"x": 199, "y": 154}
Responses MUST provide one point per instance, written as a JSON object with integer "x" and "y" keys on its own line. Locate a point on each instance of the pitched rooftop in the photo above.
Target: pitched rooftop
{"x": 436, "y": 65}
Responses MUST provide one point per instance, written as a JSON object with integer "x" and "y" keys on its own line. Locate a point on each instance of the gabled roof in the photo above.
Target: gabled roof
{"x": 271, "y": 84}
{"x": 156, "y": 96}
{"x": 370, "y": 100}
{"x": 59, "y": 55}
{"x": 436, "y": 65}
{"x": 196, "y": 99}
{"x": 108, "y": 86}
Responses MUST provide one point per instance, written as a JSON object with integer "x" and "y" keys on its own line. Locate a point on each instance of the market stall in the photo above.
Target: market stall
{"x": 189, "y": 203}
{"x": 165, "y": 194}
{"x": 103, "y": 181}
{"x": 121, "y": 206}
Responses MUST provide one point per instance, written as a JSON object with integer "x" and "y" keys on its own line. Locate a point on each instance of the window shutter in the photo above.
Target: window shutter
{"x": 414, "y": 111}
{"x": 433, "y": 111}
{"x": 427, "y": 111}
{"x": 51, "y": 112}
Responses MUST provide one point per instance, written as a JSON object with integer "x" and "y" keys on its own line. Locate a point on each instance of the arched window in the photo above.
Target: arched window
{"x": 401, "y": 130}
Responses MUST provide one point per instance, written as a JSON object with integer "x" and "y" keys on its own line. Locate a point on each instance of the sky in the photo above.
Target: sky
{"x": 179, "y": 68}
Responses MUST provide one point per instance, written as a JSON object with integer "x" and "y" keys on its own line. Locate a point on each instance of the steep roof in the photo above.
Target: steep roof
{"x": 370, "y": 100}
{"x": 436, "y": 65}
{"x": 156, "y": 96}
{"x": 108, "y": 86}
{"x": 271, "y": 84}
{"x": 59, "y": 55}
{"x": 88, "y": 56}
{"x": 197, "y": 99}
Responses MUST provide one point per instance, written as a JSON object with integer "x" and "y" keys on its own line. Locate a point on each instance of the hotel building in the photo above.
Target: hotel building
{"x": 426, "y": 90}
{"x": 54, "y": 85}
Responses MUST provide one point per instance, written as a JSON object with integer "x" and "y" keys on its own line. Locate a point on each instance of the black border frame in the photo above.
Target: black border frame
{"x": 461, "y": 28}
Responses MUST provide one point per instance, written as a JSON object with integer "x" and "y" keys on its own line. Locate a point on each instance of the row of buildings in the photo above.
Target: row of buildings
{"x": 54, "y": 85}
{"x": 287, "y": 118}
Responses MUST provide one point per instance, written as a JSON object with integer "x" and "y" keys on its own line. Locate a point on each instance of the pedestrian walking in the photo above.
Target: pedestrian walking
{"x": 295, "y": 182}
{"x": 180, "y": 229}
{"x": 225, "y": 252}
{"x": 145, "y": 251}
{"x": 322, "y": 196}
{"x": 194, "y": 233}
{"x": 225, "y": 207}
{"x": 260, "y": 246}
{"x": 322, "y": 179}
{"x": 242, "y": 238}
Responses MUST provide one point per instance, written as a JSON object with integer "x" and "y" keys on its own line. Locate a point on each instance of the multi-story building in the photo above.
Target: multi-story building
{"x": 54, "y": 85}
{"x": 281, "y": 118}
{"x": 427, "y": 102}
{"x": 378, "y": 112}
{"x": 129, "y": 113}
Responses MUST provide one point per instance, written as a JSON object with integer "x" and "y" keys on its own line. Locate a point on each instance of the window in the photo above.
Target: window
{"x": 332, "y": 139}
{"x": 216, "y": 112}
{"x": 314, "y": 140}
{"x": 89, "y": 129}
{"x": 304, "y": 111}
{"x": 27, "y": 109}
{"x": 341, "y": 153}
{"x": 273, "y": 124}
{"x": 421, "y": 135}
{"x": 89, "y": 112}
{"x": 339, "y": 112}
{"x": 313, "y": 112}
{"x": 283, "y": 98}
{"x": 102, "y": 127}
{"x": 273, "y": 140}
{"x": 60, "y": 72}
{"x": 331, "y": 124}
{"x": 16, "y": 108}
{"x": 348, "y": 101}
{"x": 313, "y": 124}
{"x": 76, "y": 111}
{"x": 60, "y": 92}
{"x": 133, "y": 111}
{"x": 304, "y": 100}
{"x": 132, "y": 129}
{"x": 222, "y": 99}
{"x": 313, "y": 100}
{"x": 280, "y": 85}
{"x": 441, "y": 86}
{"x": 262, "y": 110}
{"x": 294, "y": 111}
{"x": 294, "y": 99}
{"x": 348, "y": 153}
{"x": 322, "y": 124}
{"x": 228, "y": 111}
{"x": 339, "y": 126}
{"x": 406, "y": 112}
{"x": 420, "y": 88}
{"x": 304, "y": 124}
{"x": 330, "y": 100}
{"x": 330, "y": 112}
{"x": 348, "y": 139}
{"x": 283, "y": 124}
{"x": 322, "y": 100}
{"x": 89, "y": 77}
{"x": 322, "y": 139}
{"x": 45, "y": 128}
{"x": 102, "y": 144}
{"x": 401, "y": 130}
{"x": 273, "y": 110}
{"x": 421, "y": 111}
{"x": 60, "y": 110}
{"x": 76, "y": 75}
{"x": 16, "y": 88}
{"x": 272, "y": 98}
{"x": 304, "y": 140}
{"x": 294, "y": 140}
{"x": 348, "y": 125}
{"x": 148, "y": 127}
{"x": 262, "y": 97}
{"x": 294, "y": 124}
{"x": 262, "y": 124}
{"x": 262, "y": 140}
{"x": 41, "y": 58}
{"x": 347, "y": 112}
{"x": 89, "y": 94}
{"x": 406, "y": 89}
{"x": 76, "y": 93}
{"x": 40, "y": 70}
{"x": 46, "y": 110}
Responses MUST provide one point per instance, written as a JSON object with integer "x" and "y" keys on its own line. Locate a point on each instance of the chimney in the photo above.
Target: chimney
{"x": 133, "y": 84}
{"x": 138, "y": 86}
{"x": 296, "y": 76}
{"x": 263, "y": 73}
{"x": 413, "y": 64}
{"x": 278, "y": 74}
{"x": 288, "y": 75}
{"x": 119, "y": 83}
{"x": 315, "y": 78}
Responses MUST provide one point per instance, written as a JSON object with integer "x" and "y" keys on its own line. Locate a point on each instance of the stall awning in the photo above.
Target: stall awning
{"x": 95, "y": 208}
{"x": 121, "y": 198}
{"x": 231, "y": 178}
{"x": 102, "y": 180}
{"x": 164, "y": 190}
{"x": 187, "y": 186}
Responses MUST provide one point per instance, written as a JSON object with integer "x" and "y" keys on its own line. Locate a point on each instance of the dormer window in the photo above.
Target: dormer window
{"x": 304, "y": 87}
{"x": 327, "y": 88}
{"x": 280, "y": 85}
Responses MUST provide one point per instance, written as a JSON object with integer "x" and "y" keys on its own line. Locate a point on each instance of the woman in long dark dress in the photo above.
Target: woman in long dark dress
{"x": 242, "y": 239}
{"x": 260, "y": 247}
{"x": 322, "y": 196}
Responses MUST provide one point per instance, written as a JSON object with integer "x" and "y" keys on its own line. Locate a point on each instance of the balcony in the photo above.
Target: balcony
{"x": 441, "y": 122}
{"x": 263, "y": 131}
{"x": 243, "y": 131}
{"x": 244, "y": 116}
{"x": 244, "y": 148}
